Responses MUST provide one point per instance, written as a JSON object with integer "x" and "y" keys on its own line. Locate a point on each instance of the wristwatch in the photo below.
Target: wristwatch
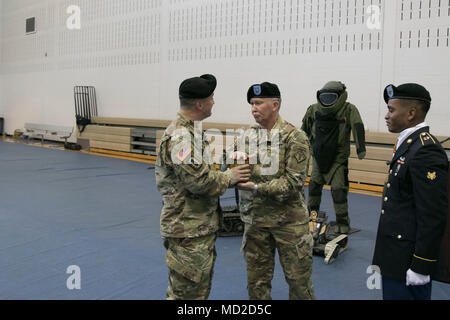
{"x": 255, "y": 191}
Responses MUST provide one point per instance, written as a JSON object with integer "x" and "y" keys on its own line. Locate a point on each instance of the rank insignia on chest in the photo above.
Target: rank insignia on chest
{"x": 432, "y": 176}
{"x": 184, "y": 153}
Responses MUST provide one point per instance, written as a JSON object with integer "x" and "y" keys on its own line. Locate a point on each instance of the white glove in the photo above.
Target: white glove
{"x": 416, "y": 279}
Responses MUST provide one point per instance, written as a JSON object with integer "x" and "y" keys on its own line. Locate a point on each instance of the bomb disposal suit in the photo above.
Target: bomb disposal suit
{"x": 328, "y": 124}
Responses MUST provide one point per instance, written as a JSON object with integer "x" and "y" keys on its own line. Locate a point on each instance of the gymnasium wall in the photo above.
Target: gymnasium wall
{"x": 136, "y": 53}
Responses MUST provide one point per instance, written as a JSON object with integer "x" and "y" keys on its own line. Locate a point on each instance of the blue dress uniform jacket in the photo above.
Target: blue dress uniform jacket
{"x": 414, "y": 208}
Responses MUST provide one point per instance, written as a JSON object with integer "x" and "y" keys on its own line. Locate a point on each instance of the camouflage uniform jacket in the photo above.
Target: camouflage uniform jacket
{"x": 280, "y": 198}
{"x": 190, "y": 187}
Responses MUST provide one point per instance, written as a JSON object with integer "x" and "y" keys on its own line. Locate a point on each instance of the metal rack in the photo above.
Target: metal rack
{"x": 85, "y": 105}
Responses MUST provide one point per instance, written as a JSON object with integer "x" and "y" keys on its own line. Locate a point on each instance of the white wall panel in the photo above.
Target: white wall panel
{"x": 136, "y": 52}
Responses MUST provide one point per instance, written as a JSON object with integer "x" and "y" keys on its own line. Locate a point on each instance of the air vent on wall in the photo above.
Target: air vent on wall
{"x": 30, "y": 25}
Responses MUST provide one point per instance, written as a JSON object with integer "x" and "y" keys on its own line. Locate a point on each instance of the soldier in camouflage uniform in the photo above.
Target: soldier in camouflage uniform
{"x": 328, "y": 125}
{"x": 190, "y": 187}
{"x": 273, "y": 204}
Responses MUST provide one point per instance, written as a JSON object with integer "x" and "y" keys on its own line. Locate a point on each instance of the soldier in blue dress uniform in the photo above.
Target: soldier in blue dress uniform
{"x": 414, "y": 205}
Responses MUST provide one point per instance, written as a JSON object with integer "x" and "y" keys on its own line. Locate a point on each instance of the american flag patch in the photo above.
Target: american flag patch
{"x": 184, "y": 153}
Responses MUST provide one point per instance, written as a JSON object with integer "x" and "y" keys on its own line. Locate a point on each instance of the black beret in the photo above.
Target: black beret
{"x": 263, "y": 90}
{"x": 410, "y": 91}
{"x": 198, "y": 87}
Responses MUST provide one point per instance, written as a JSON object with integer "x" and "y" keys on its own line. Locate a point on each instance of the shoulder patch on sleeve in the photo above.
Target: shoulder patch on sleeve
{"x": 299, "y": 157}
{"x": 184, "y": 152}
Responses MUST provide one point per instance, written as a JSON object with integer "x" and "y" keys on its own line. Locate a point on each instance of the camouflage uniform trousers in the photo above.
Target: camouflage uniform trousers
{"x": 191, "y": 265}
{"x": 339, "y": 191}
{"x": 294, "y": 244}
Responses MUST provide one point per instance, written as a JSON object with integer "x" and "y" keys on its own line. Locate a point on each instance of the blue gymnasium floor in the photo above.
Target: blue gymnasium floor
{"x": 61, "y": 208}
